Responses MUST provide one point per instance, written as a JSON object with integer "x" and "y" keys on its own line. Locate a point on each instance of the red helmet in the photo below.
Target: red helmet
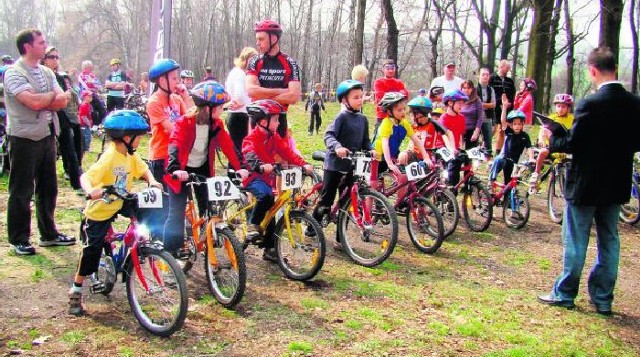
{"x": 563, "y": 98}
{"x": 264, "y": 109}
{"x": 268, "y": 26}
{"x": 530, "y": 84}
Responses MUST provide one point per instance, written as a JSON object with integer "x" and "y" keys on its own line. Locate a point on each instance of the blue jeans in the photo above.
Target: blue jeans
{"x": 487, "y": 130}
{"x": 264, "y": 200}
{"x": 500, "y": 163}
{"x": 576, "y": 227}
{"x": 86, "y": 138}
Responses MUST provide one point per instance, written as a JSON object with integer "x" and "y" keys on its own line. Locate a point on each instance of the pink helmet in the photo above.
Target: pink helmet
{"x": 563, "y": 98}
{"x": 530, "y": 84}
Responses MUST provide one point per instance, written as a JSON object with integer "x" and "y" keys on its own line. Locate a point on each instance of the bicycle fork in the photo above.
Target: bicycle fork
{"x": 212, "y": 239}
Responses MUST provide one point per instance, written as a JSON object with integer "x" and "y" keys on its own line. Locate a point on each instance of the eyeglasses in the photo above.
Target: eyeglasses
{"x": 52, "y": 57}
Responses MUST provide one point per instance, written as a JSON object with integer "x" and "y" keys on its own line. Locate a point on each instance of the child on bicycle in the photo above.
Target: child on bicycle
{"x": 192, "y": 149}
{"x": 562, "y": 103}
{"x": 430, "y": 132}
{"x": 259, "y": 149}
{"x": 118, "y": 166}
{"x": 348, "y": 132}
{"x": 453, "y": 120}
{"x": 392, "y": 131}
{"x": 516, "y": 140}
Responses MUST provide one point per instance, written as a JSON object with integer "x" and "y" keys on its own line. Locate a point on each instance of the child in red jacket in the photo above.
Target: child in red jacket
{"x": 259, "y": 149}
{"x": 192, "y": 149}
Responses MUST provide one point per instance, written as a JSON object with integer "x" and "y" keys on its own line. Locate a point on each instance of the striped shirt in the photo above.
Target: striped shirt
{"x": 15, "y": 84}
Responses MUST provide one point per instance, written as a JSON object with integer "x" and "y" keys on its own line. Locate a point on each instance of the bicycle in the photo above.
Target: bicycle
{"x": 421, "y": 215}
{"x": 556, "y": 174}
{"x": 299, "y": 240}
{"x": 515, "y": 208}
{"x": 630, "y": 212}
{"x": 477, "y": 205}
{"x": 156, "y": 286}
{"x": 138, "y": 102}
{"x": 367, "y": 225}
{"x": 208, "y": 235}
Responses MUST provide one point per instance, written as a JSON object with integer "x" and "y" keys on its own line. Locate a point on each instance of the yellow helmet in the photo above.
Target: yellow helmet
{"x": 115, "y": 61}
{"x": 437, "y": 110}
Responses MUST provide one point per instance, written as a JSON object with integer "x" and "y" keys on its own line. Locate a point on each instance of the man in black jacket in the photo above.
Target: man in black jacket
{"x": 602, "y": 140}
{"x": 501, "y": 84}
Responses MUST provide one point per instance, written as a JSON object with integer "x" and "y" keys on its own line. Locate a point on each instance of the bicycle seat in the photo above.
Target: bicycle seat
{"x": 318, "y": 155}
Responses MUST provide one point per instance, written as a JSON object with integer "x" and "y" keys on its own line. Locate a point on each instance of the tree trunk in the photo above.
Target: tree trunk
{"x": 392, "y": 31}
{"x": 538, "y": 45}
{"x": 570, "y": 47}
{"x": 508, "y": 30}
{"x": 610, "y": 22}
{"x": 359, "y": 36}
{"x": 633, "y": 10}
{"x": 551, "y": 53}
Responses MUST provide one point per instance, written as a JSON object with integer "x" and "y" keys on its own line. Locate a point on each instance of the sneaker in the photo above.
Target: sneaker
{"x": 75, "y": 304}
{"x": 270, "y": 255}
{"x": 24, "y": 249}
{"x": 253, "y": 232}
{"x": 59, "y": 240}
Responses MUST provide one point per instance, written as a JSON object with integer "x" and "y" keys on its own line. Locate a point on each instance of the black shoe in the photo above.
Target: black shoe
{"x": 24, "y": 249}
{"x": 59, "y": 240}
{"x": 552, "y": 300}
{"x": 604, "y": 311}
{"x": 270, "y": 255}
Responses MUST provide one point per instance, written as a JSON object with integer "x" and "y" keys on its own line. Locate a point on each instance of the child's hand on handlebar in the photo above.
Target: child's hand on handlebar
{"x": 342, "y": 152}
{"x": 181, "y": 175}
{"x": 94, "y": 193}
{"x": 394, "y": 168}
{"x": 308, "y": 168}
{"x": 242, "y": 173}
{"x": 266, "y": 168}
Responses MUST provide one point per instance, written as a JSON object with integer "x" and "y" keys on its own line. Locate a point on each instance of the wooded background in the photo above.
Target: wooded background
{"x": 544, "y": 38}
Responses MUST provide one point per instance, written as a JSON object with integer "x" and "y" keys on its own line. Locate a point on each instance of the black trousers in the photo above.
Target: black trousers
{"x": 33, "y": 170}
{"x": 114, "y": 103}
{"x": 238, "y": 127}
{"x": 99, "y": 112}
{"x": 329, "y": 189}
{"x": 157, "y": 216}
{"x": 315, "y": 117}
{"x": 69, "y": 155}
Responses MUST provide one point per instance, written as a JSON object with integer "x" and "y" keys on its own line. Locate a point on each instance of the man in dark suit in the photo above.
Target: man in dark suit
{"x": 602, "y": 140}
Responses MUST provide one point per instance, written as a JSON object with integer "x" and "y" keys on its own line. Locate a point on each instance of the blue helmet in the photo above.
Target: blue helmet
{"x": 421, "y": 105}
{"x": 422, "y": 91}
{"x": 454, "y": 95}
{"x": 515, "y": 114}
{"x": 345, "y": 86}
{"x": 124, "y": 122}
{"x": 161, "y": 67}
{"x": 2, "y": 70}
{"x": 209, "y": 93}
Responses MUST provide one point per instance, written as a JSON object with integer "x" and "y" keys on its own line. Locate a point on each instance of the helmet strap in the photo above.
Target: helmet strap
{"x": 129, "y": 144}
{"x": 272, "y": 44}
{"x": 166, "y": 77}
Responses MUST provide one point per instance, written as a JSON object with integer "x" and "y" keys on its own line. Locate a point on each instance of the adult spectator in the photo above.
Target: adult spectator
{"x": 597, "y": 184}
{"x": 449, "y": 81}
{"x": 488, "y": 98}
{"x": 273, "y": 74}
{"x": 32, "y": 97}
{"x": 143, "y": 86}
{"x": 360, "y": 73}
{"x": 473, "y": 114}
{"x": 238, "y": 119}
{"x": 388, "y": 83}
{"x": 186, "y": 78}
{"x": 315, "y": 102}
{"x": 116, "y": 83}
{"x": 501, "y": 84}
{"x": 208, "y": 75}
{"x": 68, "y": 119}
{"x": 89, "y": 82}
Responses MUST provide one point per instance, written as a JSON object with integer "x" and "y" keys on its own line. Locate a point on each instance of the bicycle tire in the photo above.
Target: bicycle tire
{"x": 239, "y": 223}
{"x": 356, "y": 242}
{"x": 309, "y": 240}
{"x": 555, "y": 196}
{"x": 630, "y": 212}
{"x": 517, "y": 218}
{"x": 186, "y": 263}
{"x": 227, "y": 280}
{"x": 420, "y": 218}
{"x": 477, "y": 200}
{"x": 173, "y": 282}
{"x": 309, "y": 181}
{"x": 447, "y": 204}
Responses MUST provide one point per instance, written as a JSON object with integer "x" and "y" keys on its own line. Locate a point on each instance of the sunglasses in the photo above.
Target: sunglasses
{"x": 52, "y": 57}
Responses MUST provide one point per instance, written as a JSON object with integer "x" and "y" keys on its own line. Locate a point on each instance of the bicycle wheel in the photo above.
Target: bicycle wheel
{"x": 227, "y": 271}
{"x": 302, "y": 248}
{"x": 189, "y": 252}
{"x": 238, "y": 221}
{"x": 106, "y": 273}
{"x": 424, "y": 224}
{"x": 447, "y": 204}
{"x": 162, "y": 307}
{"x": 373, "y": 242}
{"x": 515, "y": 210}
{"x": 555, "y": 196}
{"x": 630, "y": 212}
{"x": 477, "y": 207}
{"x": 309, "y": 183}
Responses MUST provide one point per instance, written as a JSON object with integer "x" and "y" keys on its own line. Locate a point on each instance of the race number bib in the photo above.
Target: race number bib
{"x": 150, "y": 198}
{"x": 445, "y": 154}
{"x": 476, "y": 154}
{"x": 291, "y": 179}
{"x": 221, "y": 189}
{"x": 363, "y": 167}
{"x": 416, "y": 171}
